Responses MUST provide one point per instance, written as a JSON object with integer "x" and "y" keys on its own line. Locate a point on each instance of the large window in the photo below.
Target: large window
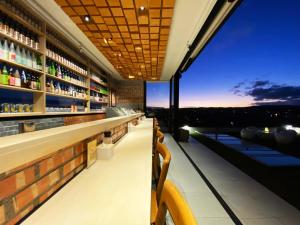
{"x": 253, "y": 60}
{"x": 158, "y": 101}
{"x": 158, "y": 94}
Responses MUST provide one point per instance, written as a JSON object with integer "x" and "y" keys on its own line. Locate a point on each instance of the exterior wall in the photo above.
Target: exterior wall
{"x": 130, "y": 94}
{"x": 28, "y": 186}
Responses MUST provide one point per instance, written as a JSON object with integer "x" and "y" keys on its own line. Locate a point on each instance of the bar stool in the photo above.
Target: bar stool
{"x": 155, "y": 160}
{"x": 155, "y": 195}
{"x": 171, "y": 200}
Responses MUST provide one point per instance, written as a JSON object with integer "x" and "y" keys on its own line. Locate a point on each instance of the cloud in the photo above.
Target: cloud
{"x": 265, "y": 92}
{"x": 260, "y": 83}
{"x": 276, "y": 92}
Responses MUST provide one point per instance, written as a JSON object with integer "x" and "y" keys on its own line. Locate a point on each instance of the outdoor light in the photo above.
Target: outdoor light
{"x": 267, "y": 130}
{"x": 186, "y": 127}
{"x": 288, "y": 127}
{"x": 87, "y": 18}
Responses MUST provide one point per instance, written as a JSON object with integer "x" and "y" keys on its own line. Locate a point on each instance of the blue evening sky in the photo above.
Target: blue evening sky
{"x": 259, "y": 42}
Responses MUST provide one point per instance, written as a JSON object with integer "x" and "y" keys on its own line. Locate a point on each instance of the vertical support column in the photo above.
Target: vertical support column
{"x": 170, "y": 105}
{"x": 39, "y": 99}
{"x": 145, "y": 97}
{"x": 88, "y": 83}
{"x": 176, "y": 105}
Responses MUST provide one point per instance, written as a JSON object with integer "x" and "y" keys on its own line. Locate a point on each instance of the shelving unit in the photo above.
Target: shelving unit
{"x": 5, "y": 36}
{"x": 14, "y": 88}
{"x": 20, "y": 66}
{"x": 65, "y": 96}
{"x": 46, "y": 34}
{"x": 64, "y": 81}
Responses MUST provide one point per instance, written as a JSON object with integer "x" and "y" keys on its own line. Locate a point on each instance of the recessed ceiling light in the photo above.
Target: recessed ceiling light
{"x": 138, "y": 48}
{"x": 87, "y": 18}
{"x": 139, "y": 73}
{"x": 142, "y": 8}
{"x": 131, "y": 77}
{"x": 153, "y": 78}
{"x": 142, "y": 66}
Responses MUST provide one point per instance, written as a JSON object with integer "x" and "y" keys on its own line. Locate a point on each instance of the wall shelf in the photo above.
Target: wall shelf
{"x": 67, "y": 67}
{"x": 14, "y": 88}
{"x": 98, "y": 92}
{"x": 20, "y": 20}
{"x": 47, "y": 34}
{"x": 5, "y": 36}
{"x": 100, "y": 102}
{"x": 20, "y": 65}
{"x": 65, "y": 96}
{"x": 101, "y": 83}
{"x": 65, "y": 81}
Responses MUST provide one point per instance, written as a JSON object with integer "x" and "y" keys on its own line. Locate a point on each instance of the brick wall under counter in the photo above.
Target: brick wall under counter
{"x": 25, "y": 188}
{"x": 11, "y": 127}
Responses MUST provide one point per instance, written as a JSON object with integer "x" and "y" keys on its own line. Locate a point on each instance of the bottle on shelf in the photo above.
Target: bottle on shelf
{"x": 24, "y": 80}
{"x": 18, "y": 55}
{"x": 11, "y": 77}
{"x": 34, "y": 65}
{"x": 29, "y": 59}
{"x": 52, "y": 88}
{"x": 17, "y": 78}
{"x": 4, "y": 76}
{"x": 1, "y": 50}
{"x": 24, "y": 57}
{"x": 39, "y": 63}
{"x": 5, "y": 50}
{"x": 12, "y": 53}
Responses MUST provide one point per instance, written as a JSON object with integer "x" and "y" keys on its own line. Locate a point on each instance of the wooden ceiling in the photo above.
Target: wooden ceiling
{"x": 132, "y": 39}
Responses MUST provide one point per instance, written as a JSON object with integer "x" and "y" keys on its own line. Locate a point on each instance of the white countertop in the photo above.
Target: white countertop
{"x": 112, "y": 192}
{"x": 19, "y": 149}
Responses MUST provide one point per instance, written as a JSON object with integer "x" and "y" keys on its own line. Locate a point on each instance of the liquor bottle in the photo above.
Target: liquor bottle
{"x": 16, "y": 31}
{"x": 58, "y": 71}
{"x": 11, "y": 28}
{"x": 17, "y": 78}
{"x": 5, "y": 26}
{"x": 11, "y": 77}
{"x": 5, "y": 50}
{"x": 39, "y": 63}
{"x": 24, "y": 82}
{"x": 58, "y": 88}
{"x": 1, "y": 23}
{"x": 38, "y": 83}
{"x": 34, "y": 65}
{"x": 48, "y": 86}
{"x": 24, "y": 57}
{"x": 1, "y": 50}
{"x": 4, "y": 76}
{"x": 36, "y": 43}
{"x": 12, "y": 52}
{"x": 52, "y": 88}
{"x": 29, "y": 59}
{"x": 53, "y": 70}
{"x": 18, "y": 55}
{"x": 22, "y": 37}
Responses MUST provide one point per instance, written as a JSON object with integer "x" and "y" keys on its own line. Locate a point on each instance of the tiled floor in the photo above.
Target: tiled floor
{"x": 205, "y": 206}
{"x": 252, "y": 203}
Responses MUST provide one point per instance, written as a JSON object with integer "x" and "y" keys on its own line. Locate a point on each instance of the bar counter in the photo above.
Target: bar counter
{"x": 115, "y": 191}
{"x": 40, "y": 143}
